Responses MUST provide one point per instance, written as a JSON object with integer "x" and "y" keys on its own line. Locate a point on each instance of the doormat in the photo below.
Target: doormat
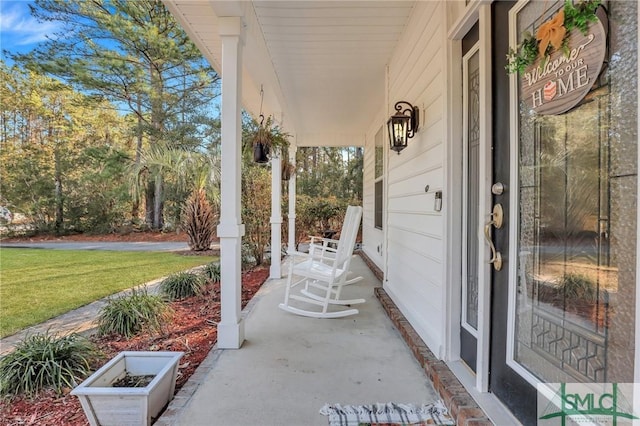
{"x": 390, "y": 414}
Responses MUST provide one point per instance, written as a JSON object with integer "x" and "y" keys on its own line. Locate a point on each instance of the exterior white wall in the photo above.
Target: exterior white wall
{"x": 415, "y": 232}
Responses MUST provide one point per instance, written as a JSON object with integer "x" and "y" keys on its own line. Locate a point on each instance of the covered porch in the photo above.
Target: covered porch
{"x": 290, "y": 366}
{"x": 454, "y": 219}
{"x": 318, "y": 69}
{"x": 331, "y": 73}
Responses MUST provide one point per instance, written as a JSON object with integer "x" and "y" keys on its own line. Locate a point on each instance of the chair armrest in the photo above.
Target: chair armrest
{"x": 324, "y": 240}
{"x": 318, "y": 251}
{"x": 325, "y": 249}
{"x": 316, "y": 258}
{"x": 296, "y": 253}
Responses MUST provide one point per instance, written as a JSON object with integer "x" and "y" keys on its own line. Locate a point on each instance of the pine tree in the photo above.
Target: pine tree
{"x": 50, "y": 140}
{"x": 136, "y": 55}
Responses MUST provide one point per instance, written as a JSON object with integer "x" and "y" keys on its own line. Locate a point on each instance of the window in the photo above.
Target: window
{"x": 378, "y": 205}
{"x": 379, "y": 180}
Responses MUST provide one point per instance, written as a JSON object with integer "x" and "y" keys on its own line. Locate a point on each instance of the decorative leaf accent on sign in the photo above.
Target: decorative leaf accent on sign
{"x": 552, "y": 35}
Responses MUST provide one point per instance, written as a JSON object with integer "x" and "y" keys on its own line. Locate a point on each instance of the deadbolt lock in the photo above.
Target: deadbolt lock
{"x": 498, "y": 188}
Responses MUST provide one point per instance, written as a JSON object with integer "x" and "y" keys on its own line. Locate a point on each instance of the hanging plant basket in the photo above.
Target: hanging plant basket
{"x": 268, "y": 140}
{"x": 262, "y": 142}
{"x": 260, "y": 153}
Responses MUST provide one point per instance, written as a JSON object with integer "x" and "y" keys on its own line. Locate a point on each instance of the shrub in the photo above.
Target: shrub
{"x": 256, "y": 211}
{"x": 181, "y": 285}
{"x": 199, "y": 221}
{"x": 314, "y": 215}
{"x": 247, "y": 259}
{"x": 130, "y": 314}
{"x": 46, "y": 361}
{"x": 212, "y": 271}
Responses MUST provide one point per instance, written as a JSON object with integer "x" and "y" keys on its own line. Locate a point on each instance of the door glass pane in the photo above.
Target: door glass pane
{"x": 575, "y": 306}
{"x": 472, "y": 177}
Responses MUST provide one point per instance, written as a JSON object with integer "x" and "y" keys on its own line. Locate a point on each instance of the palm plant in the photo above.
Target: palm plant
{"x": 198, "y": 214}
{"x": 199, "y": 220}
{"x": 194, "y": 171}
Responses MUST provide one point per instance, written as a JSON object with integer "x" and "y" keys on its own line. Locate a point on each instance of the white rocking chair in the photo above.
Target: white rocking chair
{"x": 323, "y": 272}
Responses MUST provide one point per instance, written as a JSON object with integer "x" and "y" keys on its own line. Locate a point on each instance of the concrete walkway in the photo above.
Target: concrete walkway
{"x": 290, "y": 366}
{"x": 81, "y": 320}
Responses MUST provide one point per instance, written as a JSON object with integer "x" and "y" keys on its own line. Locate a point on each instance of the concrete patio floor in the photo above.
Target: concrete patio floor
{"x": 290, "y": 366}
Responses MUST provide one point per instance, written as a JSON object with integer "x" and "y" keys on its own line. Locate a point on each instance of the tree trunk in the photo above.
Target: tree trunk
{"x": 158, "y": 204}
{"x": 58, "y": 193}
{"x": 157, "y": 118}
{"x": 135, "y": 207}
{"x": 148, "y": 203}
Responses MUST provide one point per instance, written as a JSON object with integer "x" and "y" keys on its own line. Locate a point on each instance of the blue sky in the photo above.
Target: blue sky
{"x": 19, "y": 31}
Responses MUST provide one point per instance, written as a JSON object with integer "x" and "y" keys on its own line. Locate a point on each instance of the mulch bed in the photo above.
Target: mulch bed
{"x": 192, "y": 330}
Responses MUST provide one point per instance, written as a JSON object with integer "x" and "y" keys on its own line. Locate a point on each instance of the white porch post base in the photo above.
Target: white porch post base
{"x": 231, "y": 336}
{"x": 231, "y": 325}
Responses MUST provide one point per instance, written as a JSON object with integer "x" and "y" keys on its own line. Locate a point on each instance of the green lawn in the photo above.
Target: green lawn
{"x": 37, "y": 284}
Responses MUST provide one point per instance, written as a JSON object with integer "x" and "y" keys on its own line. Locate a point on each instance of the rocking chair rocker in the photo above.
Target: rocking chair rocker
{"x": 323, "y": 272}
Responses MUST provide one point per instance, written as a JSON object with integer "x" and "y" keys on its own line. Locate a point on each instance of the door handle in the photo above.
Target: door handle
{"x": 497, "y": 220}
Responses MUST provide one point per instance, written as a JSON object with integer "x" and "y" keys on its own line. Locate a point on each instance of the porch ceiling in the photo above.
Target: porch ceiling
{"x": 321, "y": 63}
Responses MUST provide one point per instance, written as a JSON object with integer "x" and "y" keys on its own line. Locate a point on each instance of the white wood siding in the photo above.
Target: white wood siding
{"x": 415, "y": 231}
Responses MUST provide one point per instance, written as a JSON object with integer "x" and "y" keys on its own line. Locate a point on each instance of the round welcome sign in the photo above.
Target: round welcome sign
{"x": 555, "y": 84}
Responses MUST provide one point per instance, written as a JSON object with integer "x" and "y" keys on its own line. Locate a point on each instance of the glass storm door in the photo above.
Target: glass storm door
{"x": 565, "y": 300}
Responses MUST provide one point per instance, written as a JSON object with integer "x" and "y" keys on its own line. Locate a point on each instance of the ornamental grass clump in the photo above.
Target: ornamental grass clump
{"x": 212, "y": 271}
{"x": 129, "y": 315}
{"x": 46, "y": 361}
{"x": 181, "y": 285}
{"x": 576, "y": 286}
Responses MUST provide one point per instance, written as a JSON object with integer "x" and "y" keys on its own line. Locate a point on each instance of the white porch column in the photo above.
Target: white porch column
{"x": 292, "y": 201}
{"x": 231, "y": 230}
{"x": 276, "y": 215}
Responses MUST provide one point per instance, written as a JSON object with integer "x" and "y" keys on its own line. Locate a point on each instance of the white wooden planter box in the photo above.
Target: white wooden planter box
{"x": 105, "y": 405}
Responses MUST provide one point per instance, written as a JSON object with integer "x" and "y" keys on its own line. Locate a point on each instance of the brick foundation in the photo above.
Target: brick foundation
{"x": 458, "y": 401}
{"x": 374, "y": 268}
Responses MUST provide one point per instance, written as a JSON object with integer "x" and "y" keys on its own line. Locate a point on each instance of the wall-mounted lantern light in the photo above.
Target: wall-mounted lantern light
{"x": 402, "y": 125}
